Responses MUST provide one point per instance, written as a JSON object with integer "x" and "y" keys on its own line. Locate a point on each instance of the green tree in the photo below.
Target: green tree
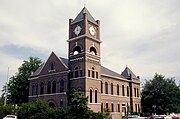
{"x": 160, "y": 95}
{"x": 18, "y": 86}
{"x": 37, "y": 110}
{"x": 78, "y": 108}
{"x": 5, "y": 110}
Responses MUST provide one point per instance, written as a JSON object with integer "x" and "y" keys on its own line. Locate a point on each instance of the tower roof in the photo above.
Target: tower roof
{"x": 127, "y": 73}
{"x": 80, "y": 16}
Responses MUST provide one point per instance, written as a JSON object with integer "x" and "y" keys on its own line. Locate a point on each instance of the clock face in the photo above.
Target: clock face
{"x": 77, "y": 30}
{"x": 92, "y": 30}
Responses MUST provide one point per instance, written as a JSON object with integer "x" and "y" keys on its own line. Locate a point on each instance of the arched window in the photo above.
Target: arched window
{"x": 49, "y": 88}
{"x": 137, "y": 92}
{"x": 93, "y": 51}
{"x": 51, "y": 104}
{"x": 76, "y": 50}
{"x": 117, "y": 89}
{"x": 95, "y": 96}
{"x": 90, "y": 96}
{"x": 97, "y": 75}
{"x": 101, "y": 87}
{"x": 52, "y": 66}
{"x": 76, "y": 72}
{"x": 106, "y": 88}
{"x": 36, "y": 89}
{"x": 111, "y": 88}
{"x": 32, "y": 89}
{"x": 79, "y": 90}
{"x": 61, "y": 103}
{"x": 61, "y": 86}
{"x": 134, "y": 92}
{"x": 42, "y": 88}
{"x": 123, "y": 90}
{"x": 127, "y": 91}
{"x": 54, "y": 87}
{"x": 93, "y": 72}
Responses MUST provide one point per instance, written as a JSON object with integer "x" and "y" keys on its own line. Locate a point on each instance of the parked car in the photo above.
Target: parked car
{"x": 10, "y": 117}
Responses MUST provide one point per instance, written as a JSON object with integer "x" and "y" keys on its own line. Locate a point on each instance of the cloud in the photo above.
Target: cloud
{"x": 142, "y": 34}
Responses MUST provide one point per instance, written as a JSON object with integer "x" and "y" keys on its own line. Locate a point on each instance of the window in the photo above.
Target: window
{"x": 81, "y": 73}
{"x": 93, "y": 72}
{"x": 76, "y": 50}
{"x": 93, "y": 51}
{"x": 111, "y": 88}
{"x": 61, "y": 86}
{"x": 117, "y": 89}
{"x": 97, "y": 75}
{"x": 90, "y": 96}
{"x": 61, "y": 103}
{"x": 49, "y": 88}
{"x": 127, "y": 91}
{"x": 89, "y": 73}
{"x": 52, "y": 66}
{"x": 42, "y": 88}
{"x": 101, "y": 87}
{"x": 106, "y": 88}
{"x": 118, "y": 107}
{"x": 54, "y": 87}
{"x": 36, "y": 89}
{"x": 95, "y": 96}
{"x": 106, "y": 105}
{"x": 76, "y": 72}
{"x": 71, "y": 74}
{"x": 101, "y": 107}
{"x": 134, "y": 92}
{"x": 136, "y": 107}
{"x": 137, "y": 92}
{"x": 112, "y": 107}
{"x": 33, "y": 90}
{"x": 122, "y": 90}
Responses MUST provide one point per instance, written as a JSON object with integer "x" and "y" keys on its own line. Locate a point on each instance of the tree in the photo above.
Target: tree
{"x": 78, "y": 108}
{"x": 18, "y": 86}
{"x": 160, "y": 95}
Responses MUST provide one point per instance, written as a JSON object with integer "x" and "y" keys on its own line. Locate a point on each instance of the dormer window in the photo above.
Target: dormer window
{"x": 93, "y": 51}
{"x": 52, "y": 66}
{"x": 76, "y": 50}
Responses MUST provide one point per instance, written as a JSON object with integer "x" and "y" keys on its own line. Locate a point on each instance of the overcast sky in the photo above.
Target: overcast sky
{"x": 142, "y": 34}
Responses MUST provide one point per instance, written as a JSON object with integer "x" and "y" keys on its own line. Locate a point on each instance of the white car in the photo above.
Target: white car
{"x": 10, "y": 117}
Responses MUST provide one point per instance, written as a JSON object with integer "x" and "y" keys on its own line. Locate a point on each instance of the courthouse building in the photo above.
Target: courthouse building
{"x": 83, "y": 71}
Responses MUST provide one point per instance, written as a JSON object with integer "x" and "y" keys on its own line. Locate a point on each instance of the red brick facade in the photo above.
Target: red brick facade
{"x": 82, "y": 71}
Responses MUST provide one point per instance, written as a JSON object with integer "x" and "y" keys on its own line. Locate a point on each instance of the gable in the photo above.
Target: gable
{"x": 53, "y": 64}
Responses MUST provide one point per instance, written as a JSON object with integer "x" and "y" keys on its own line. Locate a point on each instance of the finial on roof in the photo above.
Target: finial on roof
{"x": 84, "y": 3}
{"x": 126, "y": 65}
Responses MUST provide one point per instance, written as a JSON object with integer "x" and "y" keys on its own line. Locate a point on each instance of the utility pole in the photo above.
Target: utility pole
{"x": 6, "y": 88}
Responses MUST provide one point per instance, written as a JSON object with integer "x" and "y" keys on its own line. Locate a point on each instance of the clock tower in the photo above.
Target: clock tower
{"x": 84, "y": 57}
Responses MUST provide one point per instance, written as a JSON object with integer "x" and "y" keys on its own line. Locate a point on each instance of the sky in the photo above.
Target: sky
{"x": 141, "y": 34}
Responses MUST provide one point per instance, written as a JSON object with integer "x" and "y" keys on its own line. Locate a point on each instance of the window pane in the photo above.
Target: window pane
{"x": 62, "y": 86}
{"x": 97, "y": 75}
{"x": 81, "y": 74}
{"x": 90, "y": 96}
{"x": 101, "y": 87}
{"x": 106, "y": 88}
{"x": 111, "y": 88}
{"x": 89, "y": 73}
{"x": 54, "y": 87}
{"x": 95, "y": 96}
{"x": 123, "y": 90}
{"x": 117, "y": 89}
{"x": 92, "y": 74}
